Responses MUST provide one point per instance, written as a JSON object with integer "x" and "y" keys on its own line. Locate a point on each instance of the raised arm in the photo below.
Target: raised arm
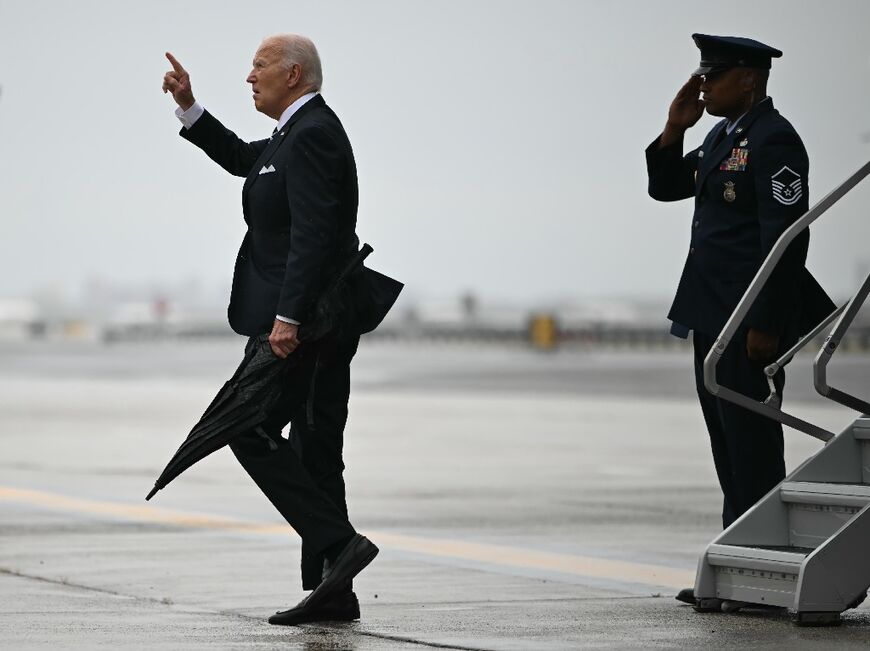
{"x": 672, "y": 175}
{"x": 204, "y": 130}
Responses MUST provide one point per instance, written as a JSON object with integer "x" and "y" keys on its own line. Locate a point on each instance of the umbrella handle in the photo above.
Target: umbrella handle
{"x": 356, "y": 261}
{"x": 352, "y": 264}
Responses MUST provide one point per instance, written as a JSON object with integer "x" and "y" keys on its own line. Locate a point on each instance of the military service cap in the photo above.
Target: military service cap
{"x": 720, "y": 53}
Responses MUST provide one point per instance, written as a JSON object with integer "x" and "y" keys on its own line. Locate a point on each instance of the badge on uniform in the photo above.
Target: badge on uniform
{"x": 729, "y": 193}
{"x": 787, "y": 188}
{"x": 737, "y": 161}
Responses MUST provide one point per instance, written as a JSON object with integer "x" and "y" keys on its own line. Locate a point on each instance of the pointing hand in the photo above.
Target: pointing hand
{"x": 177, "y": 82}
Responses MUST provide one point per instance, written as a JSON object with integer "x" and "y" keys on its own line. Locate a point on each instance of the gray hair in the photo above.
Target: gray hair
{"x": 298, "y": 49}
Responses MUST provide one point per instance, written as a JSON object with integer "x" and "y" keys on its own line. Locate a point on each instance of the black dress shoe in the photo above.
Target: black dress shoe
{"x": 707, "y": 605}
{"x": 687, "y": 596}
{"x": 358, "y": 553}
{"x": 858, "y": 600}
{"x": 341, "y": 608}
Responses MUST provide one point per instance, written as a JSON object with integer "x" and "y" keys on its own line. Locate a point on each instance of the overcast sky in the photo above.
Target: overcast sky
{"x": 499, "y": 144}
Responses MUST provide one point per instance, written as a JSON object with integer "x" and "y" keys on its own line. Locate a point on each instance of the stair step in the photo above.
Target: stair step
{"x": 761, "y": 575}
{"x": 847, "y": 495}
{"x": 785, "y": 560}
{"x": 806, "y": 517}
{"x": 861, "y": 429}
{"x": 861, "y": 433}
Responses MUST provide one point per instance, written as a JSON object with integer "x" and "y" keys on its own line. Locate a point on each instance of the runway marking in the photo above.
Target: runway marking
{"x": 460, "y": 550}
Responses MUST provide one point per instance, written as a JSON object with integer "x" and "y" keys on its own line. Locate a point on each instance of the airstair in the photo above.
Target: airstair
{"x": 805, "y": 546}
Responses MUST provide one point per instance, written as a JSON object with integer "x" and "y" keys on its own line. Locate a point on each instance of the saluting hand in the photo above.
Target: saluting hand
{"x": 685, "y": 111}
{"x": 177, "y": 82}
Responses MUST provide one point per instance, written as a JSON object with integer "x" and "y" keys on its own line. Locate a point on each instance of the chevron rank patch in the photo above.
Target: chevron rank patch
{"x": 787, "y": 187}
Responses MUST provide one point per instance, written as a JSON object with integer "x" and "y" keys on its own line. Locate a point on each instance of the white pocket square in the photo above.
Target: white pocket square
{"x": 267, "y": 170}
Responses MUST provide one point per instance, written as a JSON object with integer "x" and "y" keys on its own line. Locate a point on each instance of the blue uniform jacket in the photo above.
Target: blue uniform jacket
{"x": 749, "y": 186}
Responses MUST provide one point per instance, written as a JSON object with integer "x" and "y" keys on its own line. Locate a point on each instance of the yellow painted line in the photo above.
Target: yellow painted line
{"x": 145, "y": 513}
{"x": 530, "y": 559}
{"x": 505, "y": 556}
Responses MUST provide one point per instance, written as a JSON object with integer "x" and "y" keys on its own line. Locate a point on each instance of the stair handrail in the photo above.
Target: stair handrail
{"x": 832, "y": 343}
{"x": 772, "y": 410}
{"x": 773, "y": 368}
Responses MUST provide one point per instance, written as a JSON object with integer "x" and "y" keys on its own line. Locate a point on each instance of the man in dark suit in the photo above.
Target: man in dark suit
{"x": 749, "y": 183}
{"x": 300, "y": 203}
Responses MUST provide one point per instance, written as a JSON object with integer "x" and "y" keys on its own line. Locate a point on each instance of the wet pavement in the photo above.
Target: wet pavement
{"x": 521, "y": 501}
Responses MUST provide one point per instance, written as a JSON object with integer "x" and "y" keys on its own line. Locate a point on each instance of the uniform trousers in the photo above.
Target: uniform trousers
{"x": 302, "y": 475}
{"x": 747, "y": 447}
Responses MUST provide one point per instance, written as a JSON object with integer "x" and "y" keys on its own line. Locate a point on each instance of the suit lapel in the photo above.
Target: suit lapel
{"x": 277, "y": 139}
{"x": 712, "y": 159}
{"x": 712, "y": 154}
{"x": 264, "y": 158}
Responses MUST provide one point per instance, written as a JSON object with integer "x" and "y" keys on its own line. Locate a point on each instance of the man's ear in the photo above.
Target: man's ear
{"x": 294, "y": 75}
{"x": 750, "y": 81}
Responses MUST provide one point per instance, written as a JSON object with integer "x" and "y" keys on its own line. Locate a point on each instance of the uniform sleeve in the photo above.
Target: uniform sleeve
{"x": 222, "y": 145}
{"x": 316, "y": 169}
{"x": 671, "y": 175}
{"x": 780, "y": 172}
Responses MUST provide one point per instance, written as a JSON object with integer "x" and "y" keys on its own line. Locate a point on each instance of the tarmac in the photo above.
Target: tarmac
{"x": 520, "y": 501}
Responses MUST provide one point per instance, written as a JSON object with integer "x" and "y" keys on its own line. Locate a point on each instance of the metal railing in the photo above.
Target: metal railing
{"x": 820, "y": 364}
{"x": 771, "y": 407}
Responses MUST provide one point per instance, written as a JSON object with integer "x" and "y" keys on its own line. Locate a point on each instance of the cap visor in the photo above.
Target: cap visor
{"x": 709, "y": 70}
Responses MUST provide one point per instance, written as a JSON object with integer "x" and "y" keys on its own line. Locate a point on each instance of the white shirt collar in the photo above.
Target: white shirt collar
{"x": 730, "y": 126}
{"x": 295, "y": 106}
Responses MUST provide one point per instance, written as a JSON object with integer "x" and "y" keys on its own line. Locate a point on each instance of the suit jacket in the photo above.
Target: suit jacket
{"x": 749, "y": 186}
{"x": 299, "y": 201}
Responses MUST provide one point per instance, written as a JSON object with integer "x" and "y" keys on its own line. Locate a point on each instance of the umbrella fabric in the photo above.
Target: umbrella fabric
{"x": 242, "y": 404}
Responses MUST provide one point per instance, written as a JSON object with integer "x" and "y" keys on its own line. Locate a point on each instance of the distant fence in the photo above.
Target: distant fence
{"x": 592, "y": 336}
{"x": 542, "y": 334}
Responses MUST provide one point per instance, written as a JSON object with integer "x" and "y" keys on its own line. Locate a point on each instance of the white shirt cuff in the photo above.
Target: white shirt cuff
{"x": 286, "y": 320}
{"x": 190, "y": 116}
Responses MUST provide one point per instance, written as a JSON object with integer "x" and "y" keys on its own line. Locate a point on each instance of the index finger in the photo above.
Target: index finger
{"x": 175, "y": 64}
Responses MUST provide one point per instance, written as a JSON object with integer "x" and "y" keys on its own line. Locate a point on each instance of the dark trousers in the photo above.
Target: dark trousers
{"x": 747, "y": 447}
{"x": 303, "y": 475}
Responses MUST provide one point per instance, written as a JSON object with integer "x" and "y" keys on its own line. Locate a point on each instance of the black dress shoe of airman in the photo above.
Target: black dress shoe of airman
{"x": 708, "y": 605}
{"x": 358, "y": 553}
{"x": 858, "y": 601}
{"x": 341, "y": 608}
{"x": 687, "y": 596}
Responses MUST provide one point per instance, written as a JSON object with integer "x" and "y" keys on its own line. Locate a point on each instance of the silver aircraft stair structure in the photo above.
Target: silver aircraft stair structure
{"x": 805, "y": 546}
